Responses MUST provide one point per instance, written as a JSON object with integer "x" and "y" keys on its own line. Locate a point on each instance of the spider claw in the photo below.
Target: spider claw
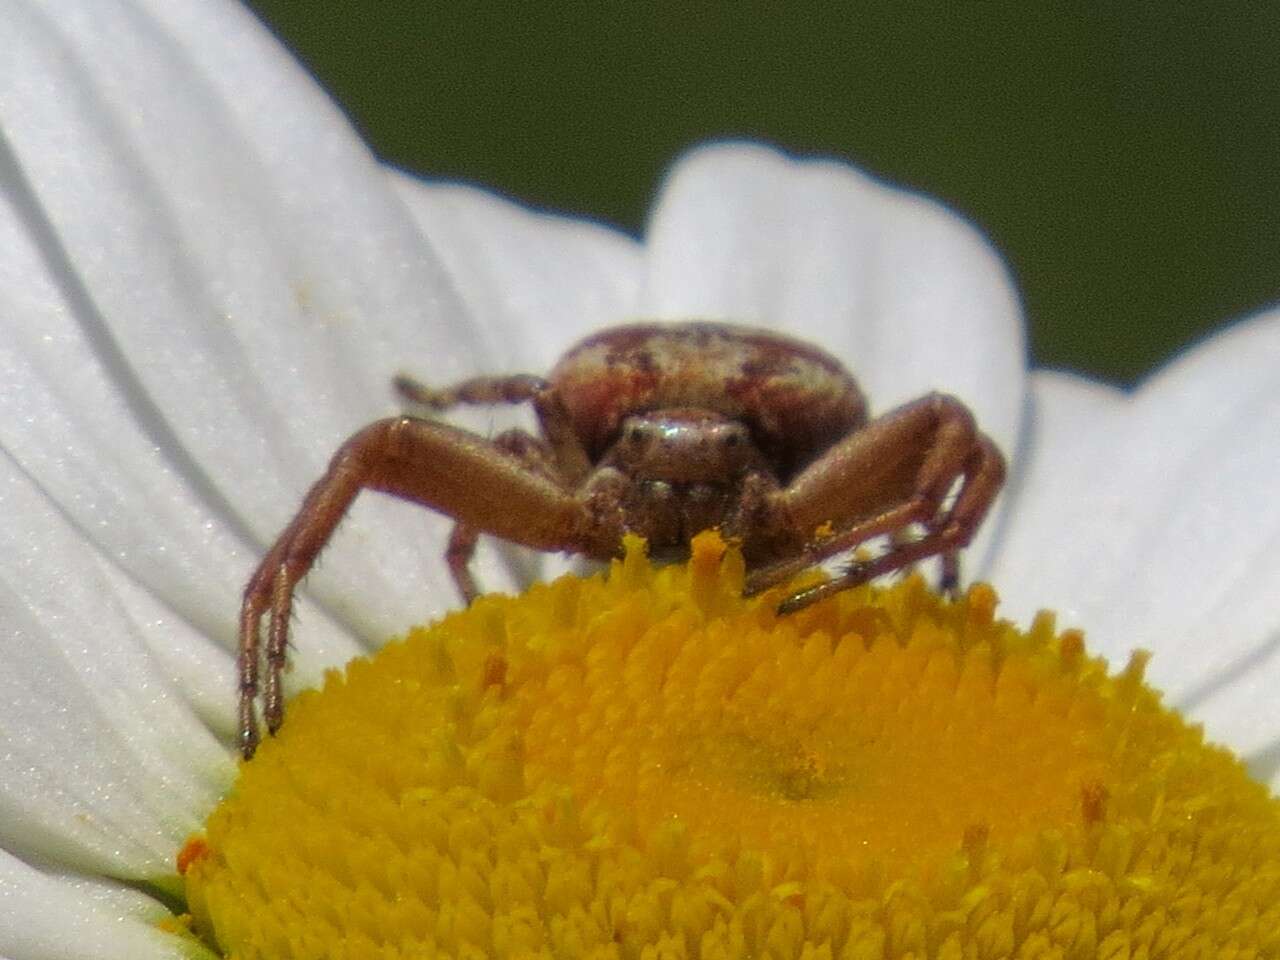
{"x": 803, "y": 598}
{"x": 949, "y": 579}
{"x": 249, "y": 736}
{"x": 856, "y": 572}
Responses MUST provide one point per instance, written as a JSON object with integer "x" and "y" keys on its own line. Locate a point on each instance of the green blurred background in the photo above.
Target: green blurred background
{"x": 1125, "y": 157}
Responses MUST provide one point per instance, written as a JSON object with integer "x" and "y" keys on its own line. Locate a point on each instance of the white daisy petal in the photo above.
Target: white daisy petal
{"x": 77, "y": 919}
{"x": 1204, "y": 541}
{"x": 262, "y": 281}
{"x": 544, "y": 281}
{"x": 1164, "y": 539}
{"x": 201, "y": 668}
{"x": 909, "y": 296}
{"x": 1037, "y": 563}
{"x": 79, "y": 437}
{"x": 103, "y": 766}
{"x": 1264, "y": 762}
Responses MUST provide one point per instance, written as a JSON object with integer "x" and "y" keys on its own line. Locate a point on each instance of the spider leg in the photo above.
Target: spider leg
{"x": 457, "y": 556}
{"x": 945, "y": 540}
{"x": 538, "y": 458}
{"x": 454, "y": 472}
{"x": 949, "y": 578}
{"x": 477, "y": 391}
{"x": 553, "y": 419}
{"x": 559, "y": 457}
{"x": 894, "y": 473}
{"x": 886, "y": 522}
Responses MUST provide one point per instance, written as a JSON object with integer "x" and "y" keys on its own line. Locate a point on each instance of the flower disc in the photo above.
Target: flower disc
{"x": 643, "y": 764}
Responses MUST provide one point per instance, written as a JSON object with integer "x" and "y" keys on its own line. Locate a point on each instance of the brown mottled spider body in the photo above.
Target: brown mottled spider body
{"x": 662, "y": 430}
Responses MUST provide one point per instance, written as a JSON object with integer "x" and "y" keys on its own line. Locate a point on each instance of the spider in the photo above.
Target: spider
{"x": 663, "y": 430}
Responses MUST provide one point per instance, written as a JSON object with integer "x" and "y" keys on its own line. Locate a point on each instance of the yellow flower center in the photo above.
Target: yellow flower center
{"x": 643, "y": 765}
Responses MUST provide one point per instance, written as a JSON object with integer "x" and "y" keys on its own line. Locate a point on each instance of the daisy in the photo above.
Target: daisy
{"x": 207, "y": 283}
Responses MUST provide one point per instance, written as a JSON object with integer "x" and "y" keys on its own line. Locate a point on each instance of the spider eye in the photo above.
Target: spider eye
{"x": 733, "y": 439}
{"x": 635, "y": 434}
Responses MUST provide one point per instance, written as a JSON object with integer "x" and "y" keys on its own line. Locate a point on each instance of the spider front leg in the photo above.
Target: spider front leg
{"x": 560, "y": 442}
{"x": 892, "y": 474}
{"x": 557, "y": 455}
{"x": 536, "y": 457}
{"x": 481, "y": 485}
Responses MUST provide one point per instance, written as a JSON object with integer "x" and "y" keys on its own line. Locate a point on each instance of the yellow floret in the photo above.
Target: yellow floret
{"x": 643, "y": 765}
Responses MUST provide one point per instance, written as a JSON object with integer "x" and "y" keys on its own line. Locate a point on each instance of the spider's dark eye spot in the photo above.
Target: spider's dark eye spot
{"x": 732, "y": 439}
{"x": 635, "y": 434}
